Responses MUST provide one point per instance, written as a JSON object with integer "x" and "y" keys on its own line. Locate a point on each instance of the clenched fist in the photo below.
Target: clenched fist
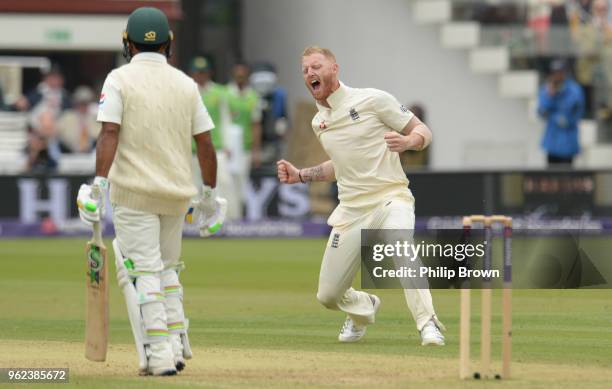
{"x": 287, "y": 173}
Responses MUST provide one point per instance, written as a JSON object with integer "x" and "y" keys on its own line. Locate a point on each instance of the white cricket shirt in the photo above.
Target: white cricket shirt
{"x": 352, "y": 133}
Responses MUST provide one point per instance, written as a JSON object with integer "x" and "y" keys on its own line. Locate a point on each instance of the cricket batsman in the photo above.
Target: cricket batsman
{"x": 150, "y": 111}
{"x": 363, "y": 131}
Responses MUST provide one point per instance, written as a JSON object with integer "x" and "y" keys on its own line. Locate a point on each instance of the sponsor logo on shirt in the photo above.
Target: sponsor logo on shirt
{"x": 354, "y": 114}
{"x": 403, "y": 108}
{"x": 335, "y": 241}
{"x": 102, "y": 99}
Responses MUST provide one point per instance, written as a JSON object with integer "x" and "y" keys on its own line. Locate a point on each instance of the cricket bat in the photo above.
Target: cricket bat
{"x": 96, "y": 321}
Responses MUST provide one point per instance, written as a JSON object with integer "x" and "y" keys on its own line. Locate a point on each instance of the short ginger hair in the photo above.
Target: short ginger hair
{"x": 327, "y": 53}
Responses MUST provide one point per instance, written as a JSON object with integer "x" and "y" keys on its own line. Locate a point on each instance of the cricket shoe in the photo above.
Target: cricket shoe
{"x": 352, "y": 332}
{"x": 431, "y": 334}
{"x": 160, "y": 359}
{"x": 177, "y": 350}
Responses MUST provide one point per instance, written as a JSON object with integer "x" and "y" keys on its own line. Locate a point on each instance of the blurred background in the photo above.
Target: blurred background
{"x": 518, "y": 94}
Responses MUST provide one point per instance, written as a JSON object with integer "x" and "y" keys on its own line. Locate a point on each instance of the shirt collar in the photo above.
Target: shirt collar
{"x": 335, "y": 99}
{"x": 146, "y": 56}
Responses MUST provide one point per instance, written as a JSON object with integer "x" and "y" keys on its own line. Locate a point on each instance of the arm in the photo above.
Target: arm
{"x": 91, "y": 198}
{"x": 289, "y": 174}
{"x": 409, "y": 132}
{"x": 209, "y": 210}
{"x": 110, "y": 114}
{"x": 106, "y": 148}
{"x": 547, "y": 99}
{"x": 414, "y": 136}
{"x": 207, "y": 157}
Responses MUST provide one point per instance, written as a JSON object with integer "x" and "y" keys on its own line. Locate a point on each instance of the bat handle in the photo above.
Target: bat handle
{"x": 96, "y": 193}
{"x": 97, "y": 232}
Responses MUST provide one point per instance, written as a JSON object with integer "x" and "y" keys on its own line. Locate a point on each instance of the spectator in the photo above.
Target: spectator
{"x": 245, "y": 116}
{"x": 539, "y": 13}
{"x": 213, "y": 96}
{"x": 275, "y": 118}
{"x": 77, "y": 127}
{"x": 561, "y": 104}
{"x": 43, "y": 149}
{"x": 585, "y": 36}
{"x": 44, "y": 104}
{"x": 49, "y": 95}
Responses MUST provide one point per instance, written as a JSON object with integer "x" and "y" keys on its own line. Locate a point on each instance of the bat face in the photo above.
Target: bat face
{"x": 95, "y": 262}
{"x": 96, "y": 322}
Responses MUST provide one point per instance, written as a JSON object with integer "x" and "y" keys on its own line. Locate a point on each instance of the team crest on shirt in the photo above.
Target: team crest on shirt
{"x": 102, "y": 99}
{"x": 354, "y": 114}
{"x": 322, "y": 125}
{"x": 403, "y": 108}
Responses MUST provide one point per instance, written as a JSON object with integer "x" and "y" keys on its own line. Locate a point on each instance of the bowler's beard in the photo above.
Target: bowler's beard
{"x": 327, "y": 85}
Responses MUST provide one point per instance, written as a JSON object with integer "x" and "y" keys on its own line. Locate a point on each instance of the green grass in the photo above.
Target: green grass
{"x": 260, "y": 295}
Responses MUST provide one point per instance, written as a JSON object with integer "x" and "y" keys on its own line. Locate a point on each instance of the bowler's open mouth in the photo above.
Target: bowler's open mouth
{"x": 315, "y": 84}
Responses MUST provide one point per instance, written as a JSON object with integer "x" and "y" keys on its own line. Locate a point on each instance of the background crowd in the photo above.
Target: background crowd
{"x": 251, "y": 111}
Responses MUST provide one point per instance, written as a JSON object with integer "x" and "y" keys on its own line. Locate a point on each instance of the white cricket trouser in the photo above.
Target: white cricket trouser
{"x": 153, "y": 244}
{"x": 342, "y": 259}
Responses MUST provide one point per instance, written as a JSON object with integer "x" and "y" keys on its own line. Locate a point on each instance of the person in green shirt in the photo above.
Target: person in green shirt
{"x": 244, "y": 129}
{"x": 245, "y": 111}
{"x": 214, "y": 96}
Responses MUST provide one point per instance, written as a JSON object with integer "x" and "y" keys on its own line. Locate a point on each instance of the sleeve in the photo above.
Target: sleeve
{"x": 201, "y": 121}
{"x": 391, "y": 112}
{"x": 110, "y": 106}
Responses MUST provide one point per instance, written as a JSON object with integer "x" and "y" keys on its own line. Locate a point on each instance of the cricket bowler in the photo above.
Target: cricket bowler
{"x": 150, "y": 111}
{"x": 362, "y": 130}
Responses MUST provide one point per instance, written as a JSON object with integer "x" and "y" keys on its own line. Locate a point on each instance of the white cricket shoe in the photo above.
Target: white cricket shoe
{"x": 161, "y": 359}
{"x": 431, "y": 334}
{"x": 177, "y": 350}
{"x": 352, "y": 332}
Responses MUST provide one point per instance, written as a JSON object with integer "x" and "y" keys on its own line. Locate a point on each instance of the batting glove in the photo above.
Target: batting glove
{"x": 90, "y": 200}
{"x": 208, "y": 212}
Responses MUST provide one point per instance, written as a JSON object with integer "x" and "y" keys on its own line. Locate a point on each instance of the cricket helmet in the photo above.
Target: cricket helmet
{"x": 200, "y": 64}
{"x": 147, "y": 26}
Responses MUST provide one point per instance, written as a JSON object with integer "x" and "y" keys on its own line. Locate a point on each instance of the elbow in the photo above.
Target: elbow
{"x": 426, "y": 135}
{"x": 109, "y": 131}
